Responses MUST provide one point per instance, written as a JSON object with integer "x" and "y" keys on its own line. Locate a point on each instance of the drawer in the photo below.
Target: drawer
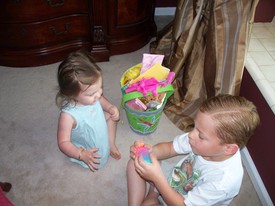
{"x": 46, "y": 33}
{"x": 33, "y": 10}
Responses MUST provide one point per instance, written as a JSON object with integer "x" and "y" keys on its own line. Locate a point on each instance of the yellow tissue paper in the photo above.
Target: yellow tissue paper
{"x": 157, "y": 71}
{"x": 130, "y": 74}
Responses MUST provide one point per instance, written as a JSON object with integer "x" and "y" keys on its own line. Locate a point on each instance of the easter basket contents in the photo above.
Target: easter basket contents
{"x": 145, "y": 89}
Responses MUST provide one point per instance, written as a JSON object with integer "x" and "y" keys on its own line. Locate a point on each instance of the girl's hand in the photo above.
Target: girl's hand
{"x": 114, "y": 113}
{"x": 137, "y": 144}
{"x": 91, "y": 158}
{"x": 150, "y": 172}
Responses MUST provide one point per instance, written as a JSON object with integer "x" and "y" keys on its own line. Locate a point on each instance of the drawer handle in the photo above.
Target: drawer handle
{"x": 55, "y": 5}
{"x": 66, "y": 29}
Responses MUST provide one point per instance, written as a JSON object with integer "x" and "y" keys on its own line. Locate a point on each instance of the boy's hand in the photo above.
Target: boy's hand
{"x": 150, "y": 172}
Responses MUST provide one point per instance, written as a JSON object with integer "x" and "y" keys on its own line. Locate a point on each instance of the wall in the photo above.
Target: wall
{"x": 261, "y": 144}
{"x": 265, "y": 11}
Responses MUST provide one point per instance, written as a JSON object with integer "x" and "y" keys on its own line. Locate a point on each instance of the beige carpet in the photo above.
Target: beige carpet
{"x": 29, "y": 156}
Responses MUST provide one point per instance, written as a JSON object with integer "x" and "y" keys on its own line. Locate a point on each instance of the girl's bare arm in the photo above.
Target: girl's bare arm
{"x": 109, "y": 108}
{"x": 65, "y": 125}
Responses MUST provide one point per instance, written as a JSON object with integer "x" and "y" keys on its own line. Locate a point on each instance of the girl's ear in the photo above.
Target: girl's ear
{"x": 231, "y": 149}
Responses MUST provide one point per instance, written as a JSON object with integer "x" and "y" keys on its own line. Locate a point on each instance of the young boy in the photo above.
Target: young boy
{"x": 211, "y": 171}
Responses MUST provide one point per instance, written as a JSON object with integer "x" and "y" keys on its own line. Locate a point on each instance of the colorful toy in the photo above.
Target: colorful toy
{"x": 144, "y": 153}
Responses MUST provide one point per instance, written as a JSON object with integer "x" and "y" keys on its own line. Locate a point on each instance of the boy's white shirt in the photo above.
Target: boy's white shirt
{"x": 219, "y": 182}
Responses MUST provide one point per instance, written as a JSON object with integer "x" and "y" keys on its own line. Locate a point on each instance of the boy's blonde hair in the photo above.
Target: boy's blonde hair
{"x": 236, "y": 118}
{"x": 78, "y": 68}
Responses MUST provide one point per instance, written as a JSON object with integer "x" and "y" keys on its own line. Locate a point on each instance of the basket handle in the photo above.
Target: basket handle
{"x": 132, "y": 95}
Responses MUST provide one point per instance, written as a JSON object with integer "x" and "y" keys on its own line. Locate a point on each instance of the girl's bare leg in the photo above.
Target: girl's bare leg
{"x": 136, "y": 186}
{"x": 112, "y": 125}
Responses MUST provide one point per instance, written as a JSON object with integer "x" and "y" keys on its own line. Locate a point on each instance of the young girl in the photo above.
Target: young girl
{"x": 211, "y": 171}
{"x": 87, "y": 122}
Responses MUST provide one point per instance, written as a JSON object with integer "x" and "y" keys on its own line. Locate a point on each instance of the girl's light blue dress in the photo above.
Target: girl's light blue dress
{"x": 91, "y": 130}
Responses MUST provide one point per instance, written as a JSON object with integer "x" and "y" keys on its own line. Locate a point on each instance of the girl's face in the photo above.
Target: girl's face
{"x": 90, "y": 94}
{"x": 204, "y": 140}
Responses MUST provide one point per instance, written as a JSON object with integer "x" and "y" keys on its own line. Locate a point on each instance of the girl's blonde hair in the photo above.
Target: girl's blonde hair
{"x": 236, "y": 118}
{"x": 78, "y": 67}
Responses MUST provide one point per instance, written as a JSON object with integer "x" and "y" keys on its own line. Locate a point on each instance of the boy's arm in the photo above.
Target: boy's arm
{"x": 170, "y": 196}
{"x": 164, "y": 150}
{"x": 152, "y": 172}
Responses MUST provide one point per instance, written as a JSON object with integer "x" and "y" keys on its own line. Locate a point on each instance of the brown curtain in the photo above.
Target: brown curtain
{"x": 205, "y": 46}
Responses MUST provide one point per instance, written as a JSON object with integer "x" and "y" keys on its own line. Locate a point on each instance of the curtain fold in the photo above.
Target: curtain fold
{"x": 205, "y": 46}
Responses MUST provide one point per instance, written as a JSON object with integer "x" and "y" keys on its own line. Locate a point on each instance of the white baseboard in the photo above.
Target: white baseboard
{"x": 165, "y": 11}
{"x": 255, "y": 178}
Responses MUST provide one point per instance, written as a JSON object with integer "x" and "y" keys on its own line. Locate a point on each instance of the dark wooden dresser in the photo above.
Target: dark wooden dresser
{"x": 39, "y": 32}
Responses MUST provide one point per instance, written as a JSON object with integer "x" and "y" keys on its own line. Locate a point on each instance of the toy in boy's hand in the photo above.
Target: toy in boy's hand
{"x": 144, "y": 153}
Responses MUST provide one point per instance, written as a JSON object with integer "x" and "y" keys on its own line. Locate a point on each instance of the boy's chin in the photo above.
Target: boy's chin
{"x": 194, "y": 151}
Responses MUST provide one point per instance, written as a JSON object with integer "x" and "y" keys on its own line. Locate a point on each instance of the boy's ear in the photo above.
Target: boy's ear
{"x": 231, "y": 149}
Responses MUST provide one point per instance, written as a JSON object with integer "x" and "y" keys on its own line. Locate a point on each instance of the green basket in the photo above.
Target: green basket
{"x": 144, "y": 122}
